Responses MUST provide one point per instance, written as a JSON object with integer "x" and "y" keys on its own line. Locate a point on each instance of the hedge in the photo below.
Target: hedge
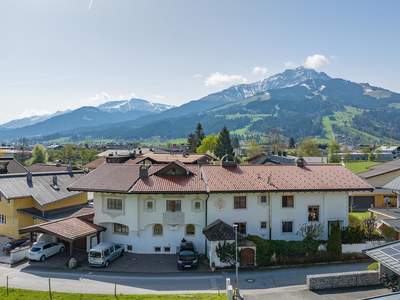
{"x": 279, "y": 252}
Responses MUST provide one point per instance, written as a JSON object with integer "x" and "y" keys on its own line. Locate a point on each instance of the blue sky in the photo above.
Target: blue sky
{"x": 64, "y": 54}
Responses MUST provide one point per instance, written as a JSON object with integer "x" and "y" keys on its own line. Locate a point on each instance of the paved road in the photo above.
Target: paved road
{"x": 98, "y": 282}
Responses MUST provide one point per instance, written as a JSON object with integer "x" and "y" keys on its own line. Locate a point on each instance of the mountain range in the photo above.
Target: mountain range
{"x": 298, "y": 102}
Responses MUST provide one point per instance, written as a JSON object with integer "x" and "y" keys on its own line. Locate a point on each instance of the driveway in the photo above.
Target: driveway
{"x": 128, "y": 263}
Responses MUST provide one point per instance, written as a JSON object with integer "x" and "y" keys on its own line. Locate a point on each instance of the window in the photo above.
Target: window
{"x": 287, "y": 226}
{"x": 157, "y": 249}
{"x": 121, "y": 229}
{"x": 197, "y": 205}
{"x": 263, "y": 225}
{"x": 239, "y": 202}
{"x": 263, "y": 200}
{"x": 129, "y": 248}
{"x": 288, "y": 201}
{"x": 157, "y": 229}
{"x": 3, "y": 219}
{"x": 313, "y": 213}
{"x": 173, "y": 205}
{"x": 167, "y": 249}
{"x": 242, "y": 228}
{"x": 149, "y": 205}
{"x": 332, "y": 223}
{"x": 190, "y": 229}
{"x": 114, "y": 203}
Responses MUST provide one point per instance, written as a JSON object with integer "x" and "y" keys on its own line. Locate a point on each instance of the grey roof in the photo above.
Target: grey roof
{"x": 388, "y": 255}
{"x": 220, "y": 231}
{"x": 393, "y": 185}
{"x": 13, "y": 166}
{"x": 381, "y": 169}
{"x": 393, "y": 213}
{"x": 59, "y": 213}
{"x": 393, "y": 223}
{"x": 16, "y": 186}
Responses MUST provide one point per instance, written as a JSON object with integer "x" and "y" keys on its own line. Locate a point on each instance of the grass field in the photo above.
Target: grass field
{"x": 355, "y": 218}
{"x": 360, "y": 166}
{"x": 16, "y": 294}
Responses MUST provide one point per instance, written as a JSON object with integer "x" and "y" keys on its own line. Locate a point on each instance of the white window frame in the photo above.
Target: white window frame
{"x": 115, "y": 209}
{"x": 266, "y": 225}
{"x": 263, "y": 203}
{"x": 194, "y": 205}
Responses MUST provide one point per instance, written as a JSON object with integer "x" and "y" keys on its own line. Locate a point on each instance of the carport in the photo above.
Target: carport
{"x": 73, "y": 230}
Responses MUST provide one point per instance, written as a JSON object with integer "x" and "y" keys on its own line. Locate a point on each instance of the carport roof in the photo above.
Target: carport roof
{"x": 68, "y": 229}
{"x": 388, "y": 255}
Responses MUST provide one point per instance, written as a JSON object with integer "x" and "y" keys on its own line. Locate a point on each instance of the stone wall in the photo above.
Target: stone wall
{"x": 340, "y": 280}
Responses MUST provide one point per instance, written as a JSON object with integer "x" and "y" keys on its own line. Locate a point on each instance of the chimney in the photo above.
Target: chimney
{"x": 29, "y": 178}
{"x": 300, "y": 162}
{"x": 69, "y": 168}
{"x": 55, "y": 181}
{"x": 143, "y": 172}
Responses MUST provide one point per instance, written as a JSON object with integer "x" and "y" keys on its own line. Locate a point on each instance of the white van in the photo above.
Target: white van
{"x": 104, "y": 253}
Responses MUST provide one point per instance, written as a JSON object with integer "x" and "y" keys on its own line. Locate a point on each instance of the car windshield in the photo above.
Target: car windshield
{"x": 187, "y": 255}
{"x": 36, "y": 249}
{"x": 95, "y": 254}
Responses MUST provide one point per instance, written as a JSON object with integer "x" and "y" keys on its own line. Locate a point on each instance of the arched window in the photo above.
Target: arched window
{"x": 157, "y": 229}
{"x": 190, "y": 229}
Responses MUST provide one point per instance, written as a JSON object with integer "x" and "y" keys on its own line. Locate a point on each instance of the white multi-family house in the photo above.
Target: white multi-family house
{"x": 150, "y": 209}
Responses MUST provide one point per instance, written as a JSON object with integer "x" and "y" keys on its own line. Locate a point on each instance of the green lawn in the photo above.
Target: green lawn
{"x": 15, "y": 294}
{"x": 360, "y": 166}
{"x": 355, "y": 218}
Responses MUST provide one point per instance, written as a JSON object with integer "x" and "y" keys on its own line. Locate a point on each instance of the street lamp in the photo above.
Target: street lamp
{"x": 235, "y": 226}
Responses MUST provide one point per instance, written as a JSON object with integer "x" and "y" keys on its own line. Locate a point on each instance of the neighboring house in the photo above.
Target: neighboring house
{"x": 9, "y": 165}
{"x": 48, "y": 167}
{"x": 30, "y": 198}
{"x": 268, "y": 159}
{"x": 150, "y": 209}
{"x": 387, "y": 217}
{"x": 384, "y": 153}
{"x": 165, "y": 158}
{"x": 378, "y": 176}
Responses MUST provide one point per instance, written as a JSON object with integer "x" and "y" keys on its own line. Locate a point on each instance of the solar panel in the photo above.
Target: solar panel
{"x": 396, "y": 247}
{"x": 390, "y": 251}
{"x": 396, "y": 256}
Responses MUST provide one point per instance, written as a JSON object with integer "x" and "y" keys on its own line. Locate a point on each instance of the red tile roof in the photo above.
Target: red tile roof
{"x": 282, "y": 178}
{"x": 212, "y": 178}
{"x": 69, "y": 228}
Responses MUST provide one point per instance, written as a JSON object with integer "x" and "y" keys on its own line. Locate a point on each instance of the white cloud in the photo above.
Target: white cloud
{"x": 99, "y": 98}
{"x": 260, "y": 70}
{"x": 218, "y": 79}
{"x": 315, "y": 61}
{"x": 289, "y": 64}
{"x": 33, "y": 112}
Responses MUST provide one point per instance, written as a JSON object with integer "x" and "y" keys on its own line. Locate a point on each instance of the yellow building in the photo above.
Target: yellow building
{"x": 32, "y": 198}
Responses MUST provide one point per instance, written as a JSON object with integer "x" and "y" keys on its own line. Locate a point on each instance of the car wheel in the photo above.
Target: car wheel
{"x": 62, "y": 249}
{"x": 43, "y": 258}
{"x": 107, "y": 263}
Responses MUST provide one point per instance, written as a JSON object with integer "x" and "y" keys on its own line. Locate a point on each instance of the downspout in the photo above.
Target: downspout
{"x": 206, "y": 205}
{"x": 269, "y": 216}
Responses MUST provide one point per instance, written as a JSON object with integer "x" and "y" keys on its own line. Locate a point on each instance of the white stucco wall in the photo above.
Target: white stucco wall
{"x": 333, "y": 206}
{"x": 141, "y": 221}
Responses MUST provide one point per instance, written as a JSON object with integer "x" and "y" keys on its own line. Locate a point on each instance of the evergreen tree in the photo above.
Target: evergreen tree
{"x": 192, "y": 143}
{"x": 334, "y": 246}
{"x": 292, "y": 143}
{"x": 224, "y": 145}
{"x": 199, "y": 132}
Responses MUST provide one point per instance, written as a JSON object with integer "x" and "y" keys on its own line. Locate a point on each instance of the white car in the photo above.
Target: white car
{"x": 42, "y": 250}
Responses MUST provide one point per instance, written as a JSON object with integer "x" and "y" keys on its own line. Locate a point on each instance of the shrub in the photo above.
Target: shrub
{"x": 374, "y": 266}
{"x": 352, "y": 235}
{"x": 226, "y": 253}
{"x": 334, "y": 245}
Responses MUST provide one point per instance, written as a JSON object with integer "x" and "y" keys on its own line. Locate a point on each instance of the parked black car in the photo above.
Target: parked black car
{"x": 187, "y": 256}
{"x": 15, "y": 244}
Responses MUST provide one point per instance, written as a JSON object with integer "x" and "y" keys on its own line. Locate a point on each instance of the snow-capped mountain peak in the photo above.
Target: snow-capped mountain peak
{"x": 133, "y": 104}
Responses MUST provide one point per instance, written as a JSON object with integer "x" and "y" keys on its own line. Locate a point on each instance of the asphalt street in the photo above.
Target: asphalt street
{"x": 253, "y": 282}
